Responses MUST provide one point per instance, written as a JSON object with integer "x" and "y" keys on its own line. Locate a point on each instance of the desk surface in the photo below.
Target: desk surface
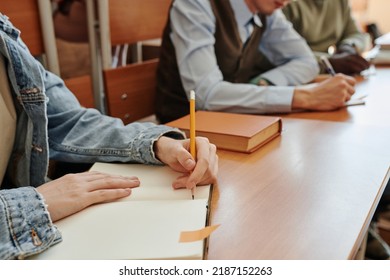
{"x": 376, "y": 110}
{"x": 309, "y": 194}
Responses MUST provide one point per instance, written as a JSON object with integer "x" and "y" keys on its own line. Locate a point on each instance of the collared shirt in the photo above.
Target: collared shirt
{"x": 245, "y": 19}
{"x": 193, "y": 28}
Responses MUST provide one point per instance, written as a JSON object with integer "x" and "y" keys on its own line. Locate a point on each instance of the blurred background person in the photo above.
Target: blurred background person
{"x": 329, "y": 29}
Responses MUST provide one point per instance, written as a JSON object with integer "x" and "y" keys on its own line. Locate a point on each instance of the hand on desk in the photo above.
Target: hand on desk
{"x": 175, "y": 153}
{"x": 348, "y": 63}
{"x": 327, "y": 95}
{"x": 74, "y": 192}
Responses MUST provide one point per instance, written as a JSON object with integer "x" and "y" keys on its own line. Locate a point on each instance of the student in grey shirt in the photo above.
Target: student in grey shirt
{"x": 329, "y": 29}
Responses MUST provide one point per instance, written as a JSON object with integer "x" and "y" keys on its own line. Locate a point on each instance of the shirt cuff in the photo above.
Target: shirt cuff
{"x": 147, "y": 139}
{"x": 261, "y": 81}
{"x": 279, "y": 99}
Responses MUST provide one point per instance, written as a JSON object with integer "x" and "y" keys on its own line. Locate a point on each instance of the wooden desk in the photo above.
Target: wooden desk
{"x": 376, "y": 110}
{"x": 309, "y": 194}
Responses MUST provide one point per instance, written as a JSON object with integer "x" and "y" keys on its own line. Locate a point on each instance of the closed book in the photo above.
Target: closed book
{"x": 230, "y": 131}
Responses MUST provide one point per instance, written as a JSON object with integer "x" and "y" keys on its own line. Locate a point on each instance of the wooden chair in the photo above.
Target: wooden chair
{"x": 130, "y": 89}
{"x": 34, "y": 19}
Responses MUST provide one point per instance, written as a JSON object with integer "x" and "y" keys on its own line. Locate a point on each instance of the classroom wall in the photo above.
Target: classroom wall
{"x": 372, "y": 11}
{"x": 378, "y": 11}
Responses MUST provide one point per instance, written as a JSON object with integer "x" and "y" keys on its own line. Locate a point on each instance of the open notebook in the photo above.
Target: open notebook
{"x": 145, "y": 225}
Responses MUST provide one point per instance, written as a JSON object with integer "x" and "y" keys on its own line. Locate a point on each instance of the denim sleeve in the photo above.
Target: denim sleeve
{"x": 78, "y": 134}
{"x": 25, "y": 225}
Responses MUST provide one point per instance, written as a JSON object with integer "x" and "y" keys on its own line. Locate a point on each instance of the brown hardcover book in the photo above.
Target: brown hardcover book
{"x": 230, "y": 131}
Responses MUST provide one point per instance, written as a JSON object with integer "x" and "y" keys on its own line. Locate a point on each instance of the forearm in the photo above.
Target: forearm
{"x": 244, "y": 98}
{"x": 25, "y": 225}
{"x": 294, "y": 73}
{"x": 108, "y": 141}
{"x": 78, "y": 134}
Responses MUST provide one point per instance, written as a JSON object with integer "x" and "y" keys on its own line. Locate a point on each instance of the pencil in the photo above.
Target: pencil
{"x": 328, "y": 66}
{"x": 192, "y": 130}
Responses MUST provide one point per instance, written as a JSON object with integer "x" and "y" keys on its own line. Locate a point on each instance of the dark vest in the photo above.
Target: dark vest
{"x": 238, "y": 62}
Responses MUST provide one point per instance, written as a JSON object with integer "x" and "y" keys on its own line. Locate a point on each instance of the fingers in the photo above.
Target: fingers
{"x": 96, "y": 175}
{"x": 98, "y": 181}
{"x": 331, "y": 94}
{"x": 105, "y": 195}
{"x": 181, "y": 181}
{"x": 201, "y": 170}
{"x": 209, "y": 176}
{"x": 350, "y": 80}
{"x": 175, "y": 153}
{"x": 206, "y": 166}
{"x": 74, "y": 192}
{"x": 102, "y": 187}
{"x": 204, "y": 170}
{"x": 184, "y": 157}
{"x": 345, "y": 85}
{"x": 349, "y": 86}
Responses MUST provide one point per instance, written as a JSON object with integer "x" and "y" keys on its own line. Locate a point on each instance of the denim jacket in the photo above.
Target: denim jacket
{"x": 52, "y": 123}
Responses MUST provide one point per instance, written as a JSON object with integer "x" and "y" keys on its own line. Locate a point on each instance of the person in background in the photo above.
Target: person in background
{"x": 46, "y": 121}
{"x": 239, "y": 56}
{"x": 329, "y": 29}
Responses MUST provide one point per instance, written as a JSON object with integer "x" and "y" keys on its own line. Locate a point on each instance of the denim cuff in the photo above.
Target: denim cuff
{"x": 147, "y": 139}
{"x": 26, "y": 223}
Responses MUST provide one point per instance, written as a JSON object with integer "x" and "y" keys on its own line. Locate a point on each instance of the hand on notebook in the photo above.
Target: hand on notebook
{"x": 330, "y": 94}
{"x": 74, "y": 192}
{"x": 175, "y": 153}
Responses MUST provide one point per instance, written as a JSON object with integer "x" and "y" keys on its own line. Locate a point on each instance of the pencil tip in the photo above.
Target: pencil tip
{"x": 192, "y": 197}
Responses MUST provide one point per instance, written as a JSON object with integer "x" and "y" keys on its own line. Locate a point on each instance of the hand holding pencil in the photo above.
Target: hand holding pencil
{"x": 329, "y": 68}
{"x": 195, "y": 158}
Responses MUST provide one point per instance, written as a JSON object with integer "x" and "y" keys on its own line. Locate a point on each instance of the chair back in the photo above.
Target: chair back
{"x": 34, "y": 20}
{"x": 130, "y": 90}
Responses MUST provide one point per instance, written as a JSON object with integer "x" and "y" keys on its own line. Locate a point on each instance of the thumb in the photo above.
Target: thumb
{"x": 186, "y": 160}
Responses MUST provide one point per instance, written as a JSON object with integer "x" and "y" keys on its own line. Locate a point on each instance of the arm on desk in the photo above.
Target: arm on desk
{"x": 327, "y": 95}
